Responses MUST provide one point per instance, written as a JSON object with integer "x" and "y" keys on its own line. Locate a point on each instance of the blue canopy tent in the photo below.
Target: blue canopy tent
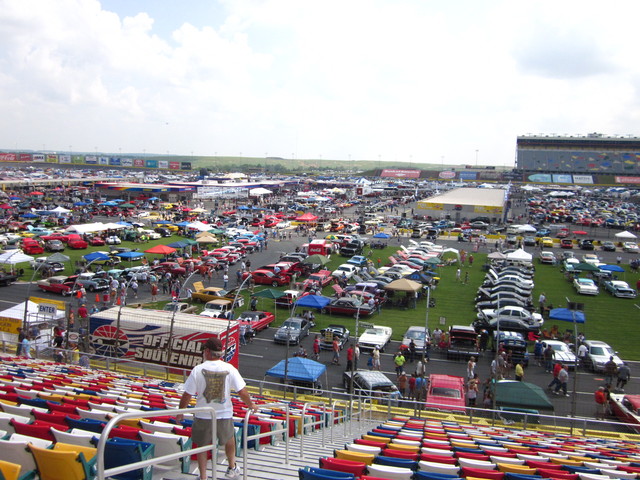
{"x": 382, "y": 235}
{"x": 611, "y": 268}
{"x": 109, "y": 204}
{"x": 299, "y": 371}
{"x": 313, "y": 301}
{"x": 130, "y": 255}
{"x": 566, "y": 315}
{"x": 182, "y": 224}
{"x": 178, "y": 244}
{"x": 28, "y": 215}
{"x": 90, "y": 257}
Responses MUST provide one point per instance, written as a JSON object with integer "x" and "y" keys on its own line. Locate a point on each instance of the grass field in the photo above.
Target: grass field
{"x": 610, "y": 319}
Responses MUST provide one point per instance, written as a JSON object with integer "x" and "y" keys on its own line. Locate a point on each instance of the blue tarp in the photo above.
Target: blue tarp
{"x": 566, "y": 315}
{"x": 298, "y": 369}
{"x": 313, "y": 301}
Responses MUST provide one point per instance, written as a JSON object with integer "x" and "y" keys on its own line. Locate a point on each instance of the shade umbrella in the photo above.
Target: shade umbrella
{"x": 29, "y": 215}
{"x": 206, "y": 239}
{"x": 526, "y": 229}
{"x": 178, "y": 244}
{"x": 586, "y": 267}
{"x": 36, "y": 193}
{"x": 216, "y": 231}
{"x": 127, "y": 205}
{"x": 579, "y": 232}
{"x": 403, "y": 285}
{"x": 433, "y": 261}
{"x": 130, "y": 255}
{"x": 382, "y": 235}
{"x": 5, "y": 206}
{"x": 331, "y": 237}
{"x": 161, "y": 250}
{"x": 316, "y": 259}
{"x": 611, "y": 268}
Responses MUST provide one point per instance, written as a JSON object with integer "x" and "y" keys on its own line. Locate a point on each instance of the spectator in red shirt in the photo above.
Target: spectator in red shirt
{"x": 350, "y": 358}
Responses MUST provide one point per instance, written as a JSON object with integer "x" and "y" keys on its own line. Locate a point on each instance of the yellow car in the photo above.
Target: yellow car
{"x": 547, "y": 242}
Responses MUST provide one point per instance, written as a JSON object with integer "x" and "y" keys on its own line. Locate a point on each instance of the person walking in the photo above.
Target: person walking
{"x": 350, "y": 358}
{"x": 600, "y": 398}
{"x": 471, "y": 367}
{"x": 563, "y": 379}
{"x": 458, "y": 272}
{"x": 225, "y": 281}
{"x": 399, "y": 361}
{"x": 624, "y": 374}
{"x": 472, "y": 390}
{"x": 316, "y": 348}
{"x": 610, "y": 371}
{"x": 336, "y": 351}
{"x": 542, "y": 300}
{"x": 519, "y": 372}
{"x": 212, "y": 382}
{"x": 376, "y": 358}
{"x": 556, "y": 370}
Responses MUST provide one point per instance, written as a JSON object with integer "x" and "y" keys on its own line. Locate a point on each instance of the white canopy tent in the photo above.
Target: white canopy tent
{"x": 13, "y": 317}
{"x": 625, "y": 236}
{"x": 14, "y": 257}
{"x": 93, "y": 227}
{"x": 60, "y": 209}
{"x": 202, "y": 227}
{"x": 258, "y": 192}
{"x": 520, "y": 256}
{"x": 526, "y": 229}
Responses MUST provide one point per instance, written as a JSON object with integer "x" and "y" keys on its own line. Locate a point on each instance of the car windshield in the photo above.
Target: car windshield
{"x": 445, "y": 392}
{"x": 374, "y": 331}
{"x": 599, "y": 351}
{"x": 415, "y": 334}
{"x": 291, "y": 324}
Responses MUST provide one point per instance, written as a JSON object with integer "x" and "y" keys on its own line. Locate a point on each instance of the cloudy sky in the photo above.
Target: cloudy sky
{"x": 396, "y": 80}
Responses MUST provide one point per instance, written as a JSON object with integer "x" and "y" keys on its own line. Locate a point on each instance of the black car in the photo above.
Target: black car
{"x": 352, "y": 248}
{"x": 372, "y": 384}
{"x": 165, "y": 232}
{"x": 586, "y": 245}
{"x": 608, "y": 246}
{"x": 508, "y": 324}
{"x": 334, "y": 331}
{"x": 7, "y": 279}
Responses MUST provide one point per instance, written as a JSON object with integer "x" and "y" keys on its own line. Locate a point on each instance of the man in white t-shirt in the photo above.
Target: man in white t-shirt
{"x": 211, "y": 382}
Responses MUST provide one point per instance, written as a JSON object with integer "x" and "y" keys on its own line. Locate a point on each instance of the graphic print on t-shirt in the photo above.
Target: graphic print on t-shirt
{"x": 215, "y": 389}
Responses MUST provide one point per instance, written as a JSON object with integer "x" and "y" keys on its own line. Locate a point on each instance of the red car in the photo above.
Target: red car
{"x": 247, "y": 243}
{"x": 76, "y": 242}
{"x": 321, "y": 278}
{"x": 265, "y": 277}
{"x": 173, "y": 268}
{"x": 56, "y": 236}
{"x": 256, "y": 320}
{"x": 446, "y": 392}
{"x": 57, "y": 284}
{"x": 31, "y": 247}
{"x": 96, "y": 241}
{"x": 566, "y": 243}
{"x": 198, "y": 265}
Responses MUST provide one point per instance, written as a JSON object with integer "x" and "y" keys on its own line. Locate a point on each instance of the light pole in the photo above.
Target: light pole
{"x": 426, "y": 325}
{"x": 477, "y": 157}
{"x": 173, "y": 318}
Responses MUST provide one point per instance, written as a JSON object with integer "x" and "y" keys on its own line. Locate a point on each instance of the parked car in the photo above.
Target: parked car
{"x": 348, "y": 306}
{"x": 446, "y": 393}
{"x": 76, "y": 242}
{"x": 561, "y": 353}
{"x": 510, "y": 312}
{"x": 265, "y": 277}
{"x": 57, "y": 284}
{"x": 510, "y": 324}
{"x": 608, "y": 246}
{"x": 463, "y": 342}
{"x": 376, "y": 336}
{"x": 371, "y": 384}
{"x": 256, "y": 320}
{"x": 54, "y": 246}
{"x": 334, "y": 331}
{"x": 513, "y": 342}
{"x": 44, "y": 263}
{"x": 345, "y": 270}
{"x": 620, "y": 289}
{"x": 113, "y": 240}
{"x": 7, "y": 279}
{"x": 174, "y": 268}
{"x": 585, "y": 286}
{"x": 218, "y": 308}
{"x": 418, "y": 334}
{"x": 293, "y": 330}
{"x": 180, "y": 307}
{"x": 547, "y": 257}
{"x": 566, "y": 243}
{"x": 31, "y": 247}
{"x": 318, "y": 280}
{"x": 630, "y": 247}
{"x": 96, "y": 241}
{"x": 90, "y": 282}
{"x": 598, "y": 354}
{"x": 586, "y": 245}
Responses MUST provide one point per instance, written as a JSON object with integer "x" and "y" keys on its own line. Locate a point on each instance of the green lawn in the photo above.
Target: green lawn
{"x": 609, "y": 319}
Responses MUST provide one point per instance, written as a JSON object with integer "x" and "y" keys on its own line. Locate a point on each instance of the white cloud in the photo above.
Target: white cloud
{"x": 402, "y": 79}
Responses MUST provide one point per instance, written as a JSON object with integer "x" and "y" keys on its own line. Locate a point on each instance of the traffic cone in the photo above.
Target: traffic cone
{"x": 118, "y": 302}
{"x": 97, "y": 298}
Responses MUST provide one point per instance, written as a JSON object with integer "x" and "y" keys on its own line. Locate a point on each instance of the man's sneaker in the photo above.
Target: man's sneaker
{"x": 233, "y": 473}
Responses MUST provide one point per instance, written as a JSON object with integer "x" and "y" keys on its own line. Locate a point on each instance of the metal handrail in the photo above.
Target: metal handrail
{"x": 314, "y": 423}
{"x": 101, "y": 473}
{"x": 258, "y": 436}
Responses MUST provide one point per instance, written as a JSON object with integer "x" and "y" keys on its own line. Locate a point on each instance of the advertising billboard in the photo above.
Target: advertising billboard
{"x": 586, "y": 179}
{"x": 398, "y": 173}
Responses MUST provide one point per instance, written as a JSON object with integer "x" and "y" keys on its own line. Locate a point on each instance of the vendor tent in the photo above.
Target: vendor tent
{"x": 258, "y": 192}
{"x": 520, "y": 255}
{"x": 403, "y": 285}
{"x": 298, "y": 369}
{"x": 14, "y": 257}
{"x": 510, "y": 393}
{"x": 313, "y": 301}
{"x": 14, "y": 317}
{"x": 625, "y": 236}
{"x": 160, "y": 250}
{"x": 307, "y": 217}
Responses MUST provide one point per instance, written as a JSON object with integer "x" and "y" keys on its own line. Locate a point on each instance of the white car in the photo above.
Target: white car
{"x": 562, "y": 353}
{"x": 403, "y": 270}
{"x": 591, "y": 258}
{"x": 376, "y": 336}
{"x": 283, "y": 224}
{"x": 113, "y": 240}
{"x": 630, "y": 247}
{"x": 520, "y": 313}
{"x": 150, "y": 234}
{"x": 347, "y": 270}
{"x": 585, "y": 286}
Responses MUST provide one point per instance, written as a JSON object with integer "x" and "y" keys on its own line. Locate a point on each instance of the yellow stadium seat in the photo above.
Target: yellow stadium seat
{"x": 60, "y": 464}
{"x": 511, "y": 468}
{"x": 366, "y": 458}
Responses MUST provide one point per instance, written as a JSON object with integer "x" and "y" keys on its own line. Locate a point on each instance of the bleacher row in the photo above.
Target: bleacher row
{"x": 52, "y": 416}
{"x": 412, "y": 449}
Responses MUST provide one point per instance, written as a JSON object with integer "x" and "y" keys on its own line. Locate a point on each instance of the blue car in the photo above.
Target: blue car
{"x": 545, "y": 232}
{"x": 358, "y": 260}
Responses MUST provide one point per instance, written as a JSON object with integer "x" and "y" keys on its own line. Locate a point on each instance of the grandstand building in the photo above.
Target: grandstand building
{"x": 593, "y": 153}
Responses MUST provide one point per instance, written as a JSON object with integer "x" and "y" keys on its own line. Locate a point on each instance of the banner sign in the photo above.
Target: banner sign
{"x": 634, "y": 180}
{"x": 397, "y": 173}
{"x": 562, "y": 178}
{"x": 588, "y": 179}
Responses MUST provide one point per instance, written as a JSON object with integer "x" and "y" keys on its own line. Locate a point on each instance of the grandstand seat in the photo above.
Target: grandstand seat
{"x": 17, "y": 452}
{"x": 472, "y": 456}
{"x": 422, "y": 475}
{"x": 557, "y": 474}
{"x": 99, "y": 415}
{"x": 371, "y": 443}
{"x": 395, "y": 462}
{"x": 311, "y": 473}
{"x": 57, "y": 418}
{"x": 343, "y": 466}
{"x": 23, "y": 410}
{"x": 500, "y": 459}
{"x": 511, "y": 468}
{"x": 119, "y": 451}
{"x": 36, "y": 429}
{"x": 64, "y": 462}
{"x": 12, "y": 471}
{"x": 565, "y": 461}
{"x": 617, "y": 473}
{"x": 438, "y": 467}
{"x": 157, "y": 426}
{"x": 520, "y": 476}
{"x": 390, "y": 452}
{"x": 478, "y": 464}
{"x": 437, "y": 451}
{"x": 355, "y": 447}
{"x": 6, "y": 421}
{"x": 402, "y": 441}
{"x": 389, "y": 472}
{"x": 541, "y": 464}
{"x": 581, "y": 469}
{"x": 86, "y": 424}
{"x": 366, "y": 458}
{"x": 167, "y": 444}
{"x": 26, "y": 393}
{"x": 593, "y": 476}
{"x": 76, "y": 436}
{"x": 482, "y": 473}
{"x": 376, "y": 438}
{"x": 59, "y": 407}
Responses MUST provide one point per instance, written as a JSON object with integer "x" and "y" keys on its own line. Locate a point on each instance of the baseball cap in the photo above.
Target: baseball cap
{"x": 214, "y": 344}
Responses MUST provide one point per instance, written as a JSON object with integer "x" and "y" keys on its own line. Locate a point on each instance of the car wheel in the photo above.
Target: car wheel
{"x": 324, "y": 311}
{"x": 91, "y": 288}
{"x": 274, "y": 284}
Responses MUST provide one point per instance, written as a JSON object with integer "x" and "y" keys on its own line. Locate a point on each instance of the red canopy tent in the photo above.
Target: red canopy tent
{"x": 307, "y": 217}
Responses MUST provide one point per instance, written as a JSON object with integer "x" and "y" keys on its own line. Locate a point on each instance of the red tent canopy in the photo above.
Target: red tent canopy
{"x": 307, "y": 217}
{"x": 161, "y": 249}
